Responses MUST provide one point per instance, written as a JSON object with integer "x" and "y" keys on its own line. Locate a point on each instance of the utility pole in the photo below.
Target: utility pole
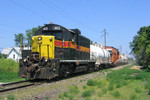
{"x": 104, "y": 36}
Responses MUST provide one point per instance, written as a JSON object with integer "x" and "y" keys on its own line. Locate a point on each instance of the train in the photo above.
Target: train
{"x": 57, "y": 51}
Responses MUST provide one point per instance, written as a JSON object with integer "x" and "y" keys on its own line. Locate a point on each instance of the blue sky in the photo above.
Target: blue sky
{"x": 121, "y": 18}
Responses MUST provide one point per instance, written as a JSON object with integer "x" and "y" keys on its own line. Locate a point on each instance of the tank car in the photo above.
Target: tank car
{"x": 56, "y": 51}
{"x": 100, "y": 55}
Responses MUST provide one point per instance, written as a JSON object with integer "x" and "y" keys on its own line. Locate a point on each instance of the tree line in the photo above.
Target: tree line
{"x": 140, "y": 46}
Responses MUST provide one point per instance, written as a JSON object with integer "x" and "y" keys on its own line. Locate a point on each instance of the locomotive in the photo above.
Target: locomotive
{"x": 58, "y": 51}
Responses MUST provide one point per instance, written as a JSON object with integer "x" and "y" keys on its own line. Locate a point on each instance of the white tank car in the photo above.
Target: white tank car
{"x": 123, "y": 59}
{"x": 99, "y": 54}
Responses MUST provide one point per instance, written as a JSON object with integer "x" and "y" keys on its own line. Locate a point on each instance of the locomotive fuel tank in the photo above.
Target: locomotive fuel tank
{"x": 99, "y": 54}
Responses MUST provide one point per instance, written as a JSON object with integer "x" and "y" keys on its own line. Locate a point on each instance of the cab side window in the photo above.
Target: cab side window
{"x": 73, "y": 37}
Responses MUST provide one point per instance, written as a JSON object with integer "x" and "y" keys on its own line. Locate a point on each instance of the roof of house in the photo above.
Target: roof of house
{"x": 7, "y": 51}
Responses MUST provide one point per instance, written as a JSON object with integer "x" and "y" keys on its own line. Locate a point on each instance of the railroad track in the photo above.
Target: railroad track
{"x": 17, "y": 85}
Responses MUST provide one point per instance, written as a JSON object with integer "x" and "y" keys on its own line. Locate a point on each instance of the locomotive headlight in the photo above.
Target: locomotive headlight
{"x": 39, "y": 38}
{"x": 39, "y": 42}
{"x": 51, "y": 39}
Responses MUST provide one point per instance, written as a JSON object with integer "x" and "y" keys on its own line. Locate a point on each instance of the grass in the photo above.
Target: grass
{"x": 8, "y": 70}
{"x": 124, "y": 84}
{"x": 11, "y": 97}
{"x": 116, "y": 94}
{"x": 87, "y": 93}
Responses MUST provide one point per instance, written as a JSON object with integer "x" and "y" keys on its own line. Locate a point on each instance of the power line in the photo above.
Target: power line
{"x": 63, "y": 12}
{"x": 27, "y": 9}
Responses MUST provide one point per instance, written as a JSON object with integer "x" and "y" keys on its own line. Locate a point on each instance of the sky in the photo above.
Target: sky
{"x": 121, "y": 18}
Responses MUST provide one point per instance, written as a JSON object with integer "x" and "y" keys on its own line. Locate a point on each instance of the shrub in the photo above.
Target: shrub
{"x": 84, "y": 87}
{"x": 118, "y": 85}
{"x": 66, "y": 94}
{"x": 137, "y": 90}
{"x": 111, "y": 87}
{"x": 71, "y": 97}
{"x": 87, "y": 93}
{"x": 74, "y": 90}
{"x": 133, "y": 97}
{"x": 91, "y": 82}
{"x": 61, "y": 96}
{"x": 116, "y": 94}
{"x": 11, "y": 97}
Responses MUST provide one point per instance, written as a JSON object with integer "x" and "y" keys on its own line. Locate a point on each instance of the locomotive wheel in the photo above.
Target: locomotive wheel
{"x": 64, "y": 71}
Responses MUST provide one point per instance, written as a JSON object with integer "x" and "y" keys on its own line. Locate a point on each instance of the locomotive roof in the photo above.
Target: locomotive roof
{"x": 52, "y": 27}
{"x": 47, "y": 27}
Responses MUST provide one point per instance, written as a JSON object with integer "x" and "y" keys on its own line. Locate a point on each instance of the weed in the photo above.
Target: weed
{"x": 137, "y": 90}
{"x": 84, "y": 87}
{"x": 61, "y": 96}
{"x": 111, "y": 87}
{"x": 11, "y": 97}
{"x": 116, "y": 94}
{"x": 104, "y": 91}
{"x": 91, "y": 82}
{"x": 70, "y": 97}
{"x": 66, "y": 94}
{"x": 100, "y": 93}
{"x": 46, "y": 98}
{"x": 80, "y": 80}
{"x": 149, "y": 91}
{"x": 118, "y": 85}
{"x": 87, "y": 93}
{"x": 133, "y": 97}
{"x": 74, "y": 90}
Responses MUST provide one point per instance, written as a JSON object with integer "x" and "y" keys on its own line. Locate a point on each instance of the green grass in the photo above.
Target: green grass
{"x": 87, "y": 93}
{"x": 123, "y": 84}
{"x": 8, "y": 70}
{"x": 11, "y": 97}
{"x": 116, "y": 94}
{"x": 74, "y": 90}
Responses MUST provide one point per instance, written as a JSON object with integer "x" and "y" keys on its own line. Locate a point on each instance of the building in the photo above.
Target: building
{"x": 12, "y": 53}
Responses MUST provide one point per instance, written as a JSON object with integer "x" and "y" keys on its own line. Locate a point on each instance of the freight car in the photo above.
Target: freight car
{"x": 115, "y": 57}
{"x": 56, "y": 51}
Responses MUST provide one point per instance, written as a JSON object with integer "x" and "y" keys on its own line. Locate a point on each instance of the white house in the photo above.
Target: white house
{"x": 12, "y": 53}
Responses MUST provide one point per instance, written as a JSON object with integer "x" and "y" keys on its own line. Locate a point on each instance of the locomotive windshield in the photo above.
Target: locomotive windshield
{"x": 57, "y": 35}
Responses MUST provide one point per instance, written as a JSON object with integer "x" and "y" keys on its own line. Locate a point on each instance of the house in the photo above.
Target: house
{"x": 13, "y": 53}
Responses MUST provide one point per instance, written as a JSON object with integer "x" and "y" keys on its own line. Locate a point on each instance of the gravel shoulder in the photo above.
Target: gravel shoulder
{"x": 51, "y": 90}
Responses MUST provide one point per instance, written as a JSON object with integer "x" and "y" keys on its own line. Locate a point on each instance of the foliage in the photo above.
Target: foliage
{"x": 8, "y": 65}
{"x": 116, "y": 94}
{"x": 18, "y": 39}
{"x": 30, "y": 33}
{"x": 11, "y": 97}
{"x": 87, "y": 93}
{"x": 91, "y": 82}
{"x": 141, "y": 46}
{"x": 74, "y": 90}
{"x": 21, "y": 40}
{"x": 8, "y": 70}
{"x": 3, "y": 55}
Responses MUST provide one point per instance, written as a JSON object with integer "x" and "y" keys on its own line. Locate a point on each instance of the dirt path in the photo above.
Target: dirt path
{"x": 50, "y": 91}
{"x": 136, "y": 67}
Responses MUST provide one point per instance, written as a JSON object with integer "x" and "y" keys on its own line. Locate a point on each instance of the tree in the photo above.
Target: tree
{"x": 27, "y": 41}
{"x": 30, "y": 33}
{"x": 140, "y": 46}
{"x": 18, "y": 39}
